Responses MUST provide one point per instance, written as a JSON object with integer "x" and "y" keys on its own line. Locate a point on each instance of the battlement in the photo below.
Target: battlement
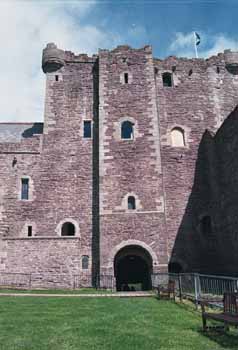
{"x": 53, "y": 58}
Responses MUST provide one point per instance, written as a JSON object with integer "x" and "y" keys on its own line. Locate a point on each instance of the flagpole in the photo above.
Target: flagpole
{"x": 195, "y": 44}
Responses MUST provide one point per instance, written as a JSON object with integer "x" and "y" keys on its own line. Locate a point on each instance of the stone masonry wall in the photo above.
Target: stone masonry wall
{"x": 204, "y": 92}
{"x": 88, "y": 181}
{"x": 130, "y": 167}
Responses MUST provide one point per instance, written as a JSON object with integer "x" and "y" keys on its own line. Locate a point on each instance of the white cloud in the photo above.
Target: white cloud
{"x": 25, "y": 28}
{"x": 183, "y": 45}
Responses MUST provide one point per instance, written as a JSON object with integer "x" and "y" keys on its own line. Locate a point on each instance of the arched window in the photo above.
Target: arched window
{"x": 127, "y": 130}
{"x": 177, "y": 137}
{"x": 131, "y": 202}
{"x": 68, "y": 229}
{"x": 206, "y": 225}
{"x": 167, "y": 79}
{"x": 85, "y": 262}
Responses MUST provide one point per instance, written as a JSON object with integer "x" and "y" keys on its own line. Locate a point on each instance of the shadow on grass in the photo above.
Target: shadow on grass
{"x": 227, "y": 340}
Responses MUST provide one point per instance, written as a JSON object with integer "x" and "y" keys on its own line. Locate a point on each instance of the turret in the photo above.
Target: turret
{"x": 231, "y": 61}
{"x": 52, "y": 58}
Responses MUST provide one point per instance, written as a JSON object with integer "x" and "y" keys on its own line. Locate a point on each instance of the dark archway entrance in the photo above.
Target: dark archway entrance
{"x": 133, "y": 268}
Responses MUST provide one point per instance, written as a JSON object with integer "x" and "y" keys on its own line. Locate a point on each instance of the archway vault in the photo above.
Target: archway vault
{"x": 132, "y": 242}
{"x": 133, "y": 268}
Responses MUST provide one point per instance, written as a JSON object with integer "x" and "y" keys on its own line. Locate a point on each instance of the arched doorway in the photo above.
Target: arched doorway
{"x": 133, "y": 268}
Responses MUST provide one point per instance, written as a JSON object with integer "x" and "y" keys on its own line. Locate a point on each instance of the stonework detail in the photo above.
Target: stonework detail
{"x": 87, "y": 180}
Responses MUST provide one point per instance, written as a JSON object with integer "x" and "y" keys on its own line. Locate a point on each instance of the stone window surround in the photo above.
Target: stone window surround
{"x": 85, "y": 253}
{"x": 122, "y": 79}
{"x": 172, "y": 78}
{"x": 24, "y": 231}
{"x": 72, "y": 221}
{"x": 51, "y": 76}
{"x": 117, "y": 129}
{"x": 124, "y": 203}
{"x": 182, "y": 131}
{"x": 82, "y": 129}
{"x": 30, "y": 189}
{"x": 82, "y": 257}
{"x": 186, "y": 131}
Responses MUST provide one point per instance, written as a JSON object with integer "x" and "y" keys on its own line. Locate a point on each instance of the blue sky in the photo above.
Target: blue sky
{"x": 84, "y": 26}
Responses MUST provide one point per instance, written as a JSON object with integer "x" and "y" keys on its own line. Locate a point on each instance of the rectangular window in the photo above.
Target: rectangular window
{"x": 29, "y": 231}
{"x": 56, "y": 78}
{"x": 25, "y": 189}
{"x": 126, "y": 78}
{"x": 87, "y": 129}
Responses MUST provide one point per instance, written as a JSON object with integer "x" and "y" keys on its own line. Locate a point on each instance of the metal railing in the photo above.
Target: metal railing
{"x": 188, "y": 285}
{"x": 15, "y": 280}
{"x": 198, "y": 286}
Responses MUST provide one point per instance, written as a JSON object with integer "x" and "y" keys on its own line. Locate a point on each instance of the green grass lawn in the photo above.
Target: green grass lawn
{"x": 58, "y": 291}
{"x": 104, "y": 324}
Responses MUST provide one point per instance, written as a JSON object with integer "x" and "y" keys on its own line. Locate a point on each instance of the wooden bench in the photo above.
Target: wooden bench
{"x": 168, "y": 291}
{"x": 229, "y": 314}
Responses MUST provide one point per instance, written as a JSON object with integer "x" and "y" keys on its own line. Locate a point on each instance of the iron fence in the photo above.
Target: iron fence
{"x": 188, "y": 285}
{"x": 198, "y": 286}
{"x": 15, "y": 280}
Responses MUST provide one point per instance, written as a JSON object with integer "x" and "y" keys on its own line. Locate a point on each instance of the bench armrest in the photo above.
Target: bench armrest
{"x": 207, "y": 303}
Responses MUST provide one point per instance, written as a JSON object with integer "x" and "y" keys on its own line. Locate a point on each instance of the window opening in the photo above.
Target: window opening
{"x": 29, "y": 231}
{"x": 68, "y": 229}
{"x": 127, "y": 131}
{"x": 167, "y": 79}
{"x": 206, "y": 225}
{"x": 177, "y": 136}
{"x": 25, "y": 189}
{"x": 87, "y": 129}
{"x": 85, "y": 262}
{"x": 131, "y": 203}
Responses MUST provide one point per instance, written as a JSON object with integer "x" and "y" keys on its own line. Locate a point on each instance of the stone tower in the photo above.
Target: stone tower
{"x": 131, "y": 173}
{"x": 130, "y": 163}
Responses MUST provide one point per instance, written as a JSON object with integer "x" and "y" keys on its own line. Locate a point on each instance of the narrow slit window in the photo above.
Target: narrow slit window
{"x": 85, "y": 262}
{"x": 56, "y": 78}
{"x": 127, "y": 130}
{"x": 126, "y": 78}
{"x": 131, "y": 203}
{"x": 29, "y": 231}
{"x": 87, "y": 129}
{"x": 25, "y": 189}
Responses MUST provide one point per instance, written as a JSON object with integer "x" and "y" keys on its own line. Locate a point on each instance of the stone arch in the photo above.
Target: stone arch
{"x": 117, "y": 128}
{"x": 132, "y": 242}
{"x": 133, "y": 267}
{"x": 178, "y": 137}
{"x": 68, "y": 220}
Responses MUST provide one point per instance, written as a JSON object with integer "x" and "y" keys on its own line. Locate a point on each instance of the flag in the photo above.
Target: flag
{"x": 198, "y": 40}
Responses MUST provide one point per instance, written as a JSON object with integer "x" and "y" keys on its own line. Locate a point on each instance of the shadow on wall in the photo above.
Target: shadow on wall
{"x": 207, "y": 239}
{"x": 36, "y": 128}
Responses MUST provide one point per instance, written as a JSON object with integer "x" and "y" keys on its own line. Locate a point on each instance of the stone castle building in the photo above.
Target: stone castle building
{"x": 133, "y": 171}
